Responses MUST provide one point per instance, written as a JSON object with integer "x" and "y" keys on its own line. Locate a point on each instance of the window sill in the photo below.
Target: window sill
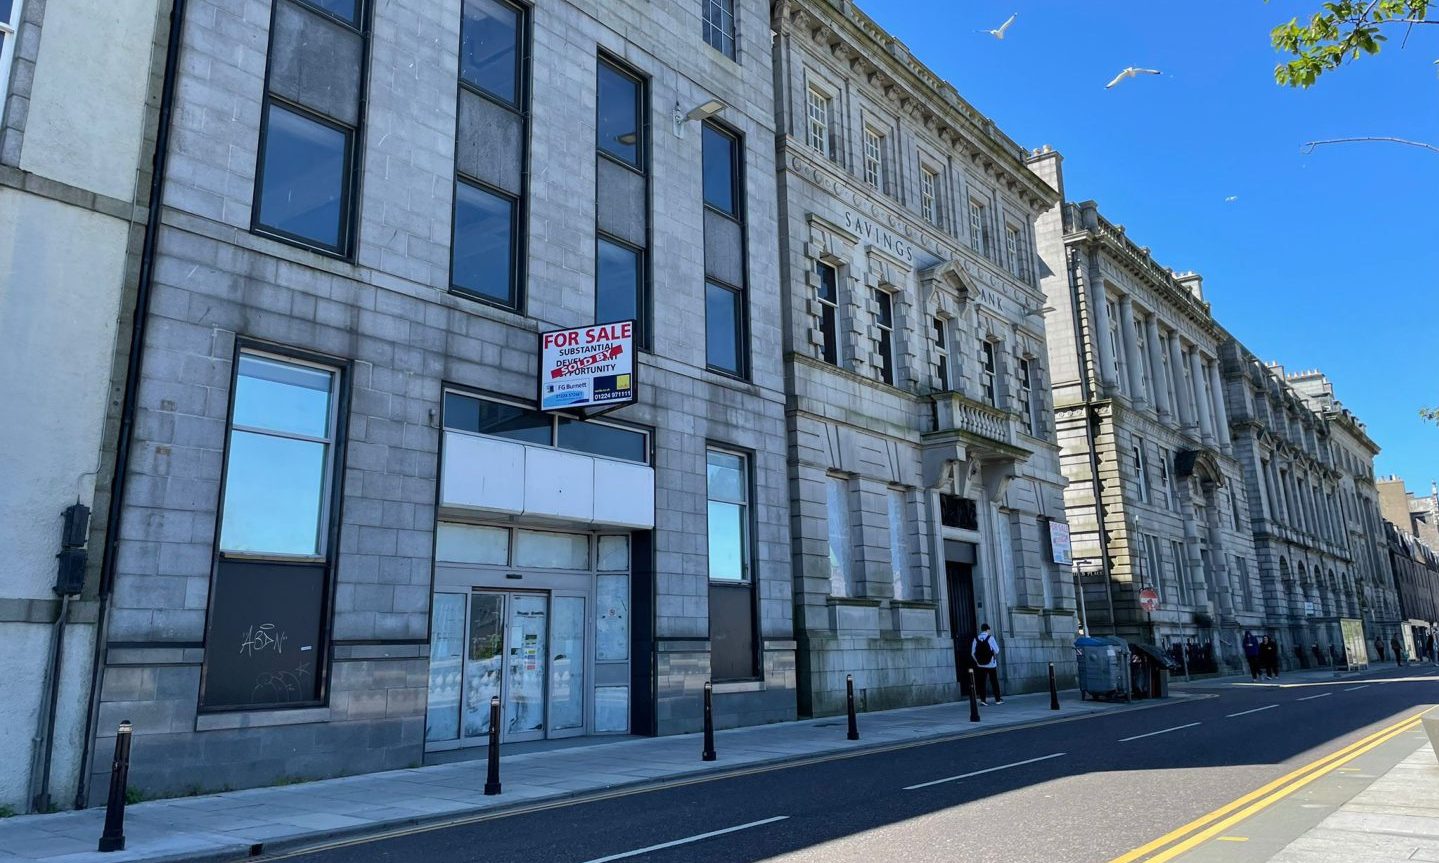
{"x": 737, "y": 686}
{"x": 860, "y": 601}
{"x": 260, "y": 718}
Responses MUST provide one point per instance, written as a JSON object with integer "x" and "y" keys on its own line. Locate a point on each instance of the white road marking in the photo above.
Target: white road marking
{"x": 1352, "y": 688}
{"x": 1312, "y": 697}
{"x": 1255, "y": 710}
{"x": 1163, "y": 731}
{"x": 981, "y": 772}
{"x": 687, "y": 840}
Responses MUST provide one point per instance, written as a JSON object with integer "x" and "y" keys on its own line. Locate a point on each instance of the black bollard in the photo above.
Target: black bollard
{"x": 973, "y": 701}
{"x": 113, "y": 838}
{"x": 1053, "y": 690}
{"x": 849, "y": 694}
{"x": 709, "y": 752}
{"x": 492, "y": 777}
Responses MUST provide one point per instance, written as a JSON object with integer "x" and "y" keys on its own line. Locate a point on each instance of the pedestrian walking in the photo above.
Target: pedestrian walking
{"x": 1379, "y": 646}
{"x": 1318, "y": 656}
{"x": 1251, "y": 654}
{"x": 1269, "y": 657}
{"x": 1334, "y": 656}
{"x": 1429, "y": 647}
{"x": 1394, "y": 645}
{"x": 985, "y": 653}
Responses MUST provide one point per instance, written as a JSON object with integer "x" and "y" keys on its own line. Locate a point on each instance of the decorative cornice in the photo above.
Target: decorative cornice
{"x": 866, "y": 50}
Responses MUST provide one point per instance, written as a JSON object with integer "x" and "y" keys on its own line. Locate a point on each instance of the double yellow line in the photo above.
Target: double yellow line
{"x": 1206, "y": 827}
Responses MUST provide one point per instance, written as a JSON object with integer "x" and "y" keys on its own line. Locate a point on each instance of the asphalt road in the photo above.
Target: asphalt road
{"x": 1077, "y": 791}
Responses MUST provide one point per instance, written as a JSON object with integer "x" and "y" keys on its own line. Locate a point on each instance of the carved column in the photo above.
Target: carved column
{"x": 1184, "y": 406}
{"x": 1156, "y": 363}
{"x": 1099, "y": 300}
{"x": 1132, "y": 360}
{"x": 1201, "y": 387}
{"x": 1221, "y": 415}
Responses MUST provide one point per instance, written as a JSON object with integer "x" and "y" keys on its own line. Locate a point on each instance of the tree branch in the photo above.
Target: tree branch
{"x": 1309, "y": 146}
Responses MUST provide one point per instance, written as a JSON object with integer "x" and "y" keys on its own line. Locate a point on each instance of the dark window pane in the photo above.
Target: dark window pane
{"x": 617, "y": 283}
{"x": 465, "y": 413}
{"x": 489, "y": 48}
{"x": 6, "y": 10}
{"x": 302, "y": 183}
{"x": 345, "y": 10}
{"x": 827, "y": 288}
{"x": 618, "y": 121}
{"x": 719, "y": 169}
{"x": 484, "y": 246}
{"x": 719, "y": 25}
{"x": 885, "y": 303}
{"x": 604, "y": 440}
{"x": 828, "y": 330}
{"x": 722, "y": 328}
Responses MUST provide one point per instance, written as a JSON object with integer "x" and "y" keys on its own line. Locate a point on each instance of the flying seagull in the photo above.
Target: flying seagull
{"x": 1130, "y": 72}
{"x": 1231, "y": 199}
{"x": 999, "y": 33}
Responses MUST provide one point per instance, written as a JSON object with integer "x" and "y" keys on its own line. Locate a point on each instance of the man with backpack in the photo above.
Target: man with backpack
{"x": 985, "y": 653}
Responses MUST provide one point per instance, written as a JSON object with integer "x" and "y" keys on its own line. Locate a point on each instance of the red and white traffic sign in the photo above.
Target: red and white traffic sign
{"x": 1149, "y": 599}
{"x": 587, "y": 366}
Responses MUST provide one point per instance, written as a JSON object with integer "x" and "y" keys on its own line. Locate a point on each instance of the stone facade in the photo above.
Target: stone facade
{"x": 1294, "y": 475}
{"x": 1156, "y": 497}
{"x": 383, "y": 316}
{"x": 77, "y": 127}
{"x": 1370, "y": 585}
{"x": 1416, "y": 575}
{"x": 922, "y": 467}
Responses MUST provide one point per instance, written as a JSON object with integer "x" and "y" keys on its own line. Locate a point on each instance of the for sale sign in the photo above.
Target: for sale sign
{"x": 587, "y": 366}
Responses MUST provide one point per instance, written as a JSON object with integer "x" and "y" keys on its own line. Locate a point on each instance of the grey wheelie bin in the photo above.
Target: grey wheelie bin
{"x": 1103, "y": 667}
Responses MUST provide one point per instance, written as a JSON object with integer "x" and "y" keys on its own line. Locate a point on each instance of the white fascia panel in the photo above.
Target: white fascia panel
{"x": 624, "y": 494}
{"x": 559, "y": 484}
{"x": 483, "y": 473}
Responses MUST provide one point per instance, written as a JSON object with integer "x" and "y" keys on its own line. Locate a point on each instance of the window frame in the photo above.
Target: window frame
{"x": 516, "y": 244}
{"x": 553, "y": 417}
{"x": 728, "y": 37}
{"x": 872, "y": 157}
{"x": 939, "y": 327}
{"x": 641, "y": 106}
{"x": 642, "y": 285}
{"x": 900, "y": 547}
{"x": 929, "y": 194}
{"x": 345, "y": 249}
{"x": 524, "y": 59}
{"x": 979, "y": 226}
{"x": 1154, "y": 559}
{"x": 327, "y": 520}
{"x": 829, "y": 314}
{"x": 815, "y": 127}
{"x": 887, "y": 371}
{"x": 1011, "y": 247}
{"x": 741, "y": 291}
{"x": 988, "y": 372}
{"x": 1026, "y": 396}
{"x": 10, "y": 32}
{"x": 1141, "y": 467}
{"x": 353, "y": 24}
{"x": 523, "y": 54}
{"x": 1181, "y": 573}
{"x": 747, "y": 562}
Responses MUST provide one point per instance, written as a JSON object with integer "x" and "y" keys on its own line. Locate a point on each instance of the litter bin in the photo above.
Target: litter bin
{"x": 1157, "y": 666}
{"x": 1103, "y": 667}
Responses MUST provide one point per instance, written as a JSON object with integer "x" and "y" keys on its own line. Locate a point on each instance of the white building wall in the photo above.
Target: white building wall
{"x": 74, "y": 134}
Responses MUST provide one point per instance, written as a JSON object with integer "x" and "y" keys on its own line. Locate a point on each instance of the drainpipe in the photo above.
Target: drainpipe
{"x": 1090, "y": 419}
{"x": 139, "y": 319}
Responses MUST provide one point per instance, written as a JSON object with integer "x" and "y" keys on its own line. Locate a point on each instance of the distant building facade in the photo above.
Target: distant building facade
{"x": 1294, "y": 478}
{"x": 1156, "y": 498}
{"x": 923, "y": 472}
{"x": 1370, "y": 583}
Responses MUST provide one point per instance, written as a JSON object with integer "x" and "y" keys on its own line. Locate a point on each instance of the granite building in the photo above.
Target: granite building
{"x": 1293, "y": 477}
{"x": 1370, "y": 584}
{"x": 347, "y": 522}
{"x": 1156, "y": 500}
{"x": 78, "y": 91}
{"x": 923, "y": 475}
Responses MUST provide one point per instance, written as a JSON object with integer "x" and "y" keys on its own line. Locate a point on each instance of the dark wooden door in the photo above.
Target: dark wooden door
{"x": 962, "y": 623}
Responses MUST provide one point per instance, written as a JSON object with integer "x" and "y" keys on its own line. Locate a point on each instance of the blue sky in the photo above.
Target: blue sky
{"x": 1328, "y": 260}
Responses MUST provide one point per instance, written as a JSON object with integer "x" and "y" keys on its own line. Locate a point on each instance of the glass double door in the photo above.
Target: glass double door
{"x": 525, "y": 647}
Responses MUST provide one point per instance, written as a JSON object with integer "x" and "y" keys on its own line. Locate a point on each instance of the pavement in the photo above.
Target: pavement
{"x": 241, "y": 824}
{"x": 921, "y": 784}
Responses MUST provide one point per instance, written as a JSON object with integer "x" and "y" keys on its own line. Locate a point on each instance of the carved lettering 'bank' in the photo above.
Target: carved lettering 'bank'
{"x": 923, "y": 469}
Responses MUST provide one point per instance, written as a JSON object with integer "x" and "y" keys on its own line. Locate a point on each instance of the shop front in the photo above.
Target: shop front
{"x": 541, "y": 518}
